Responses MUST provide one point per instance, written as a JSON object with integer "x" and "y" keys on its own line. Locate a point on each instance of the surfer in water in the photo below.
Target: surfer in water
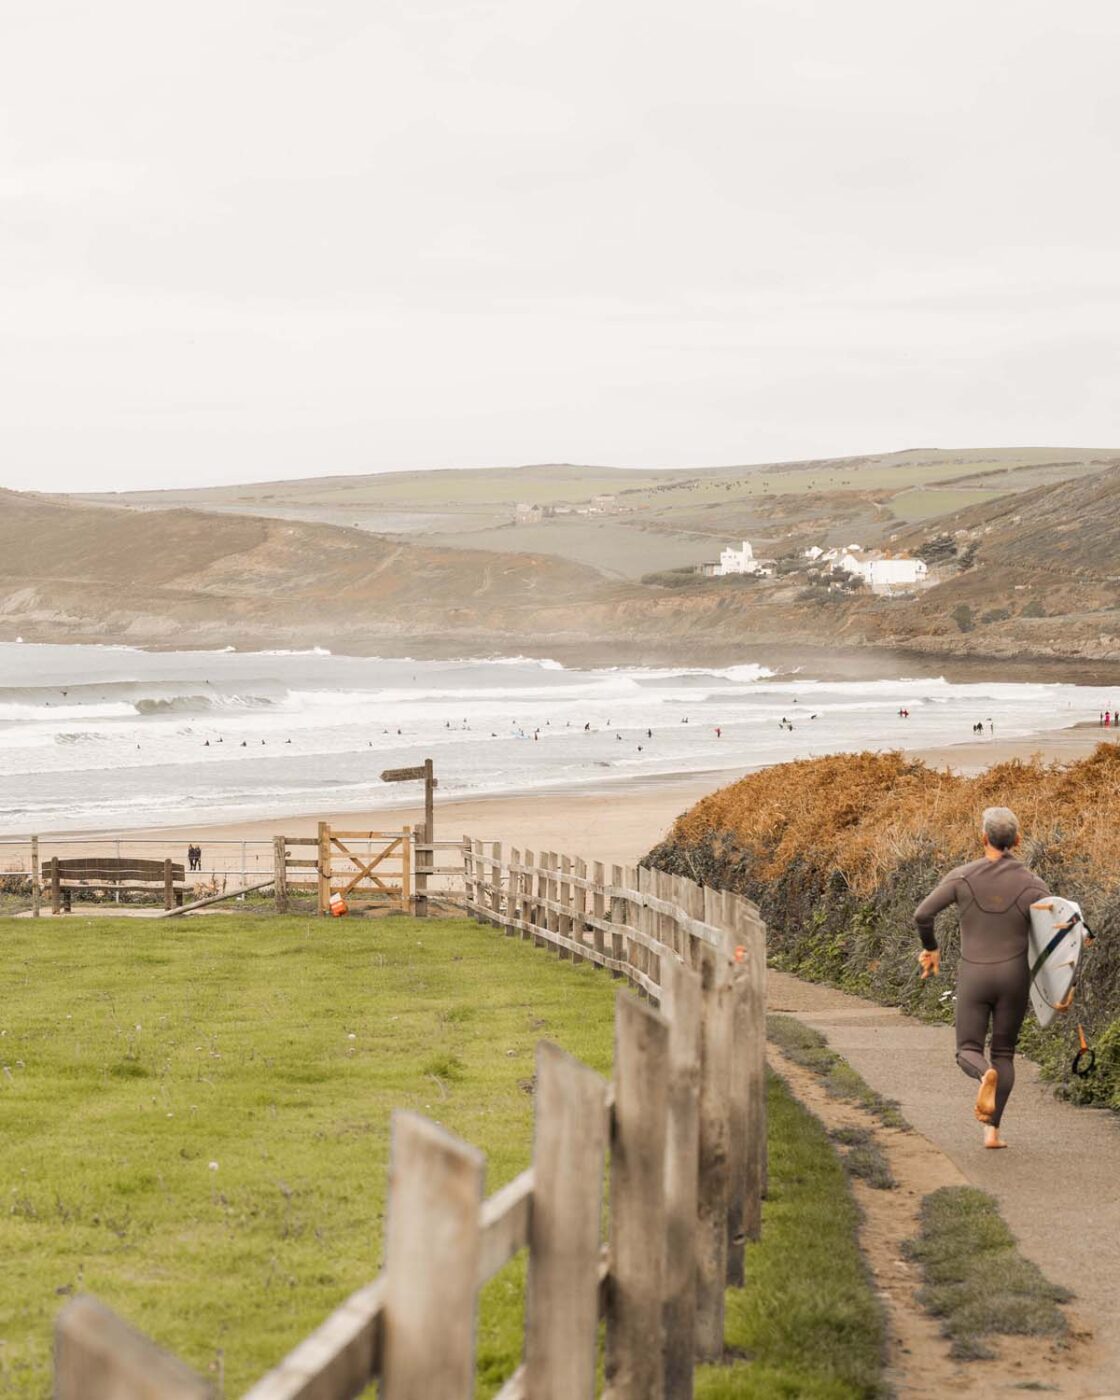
{"x": 994, "y": 896}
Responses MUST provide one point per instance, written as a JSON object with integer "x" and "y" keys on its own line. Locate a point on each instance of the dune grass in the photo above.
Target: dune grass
{"x": 976, "y": 1281}
{"x": 194, "y": 1126}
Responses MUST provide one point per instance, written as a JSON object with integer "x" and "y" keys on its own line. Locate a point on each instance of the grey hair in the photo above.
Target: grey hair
{"x": 1001, "y": 827}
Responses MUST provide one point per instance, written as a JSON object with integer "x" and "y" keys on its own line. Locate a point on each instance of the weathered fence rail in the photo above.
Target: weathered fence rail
{"x": 683, "y": 1123}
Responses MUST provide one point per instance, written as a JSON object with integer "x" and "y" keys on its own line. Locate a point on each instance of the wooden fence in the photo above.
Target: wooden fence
{"x": 390, "y": 869}
{"x": 683, "y": 1121}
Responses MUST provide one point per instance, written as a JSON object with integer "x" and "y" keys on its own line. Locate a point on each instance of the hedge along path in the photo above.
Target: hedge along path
{"x": 1058, "y": 1188}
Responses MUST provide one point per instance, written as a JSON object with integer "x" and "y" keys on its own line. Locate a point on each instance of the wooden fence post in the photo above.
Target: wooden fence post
{"x": 562, "y": 1290}
{"x": 432, "y": 1250}
{"x": 513, "y": 893}
{"x": 752, "y": 936}
{"x": 36, "y": 879}
{"x": 599, "y": 906}
{"x": 528, "y": 887}
{"x": 481, "y": 882}
{"x": 468, "y": 872}
{"x": 551, "y": 861}
{"x": 649, "y": 923}
{"x": 618, "y": 916}
{"x": 56, "y": 887}
{"x": 739, "y": 1119}
{"x": 715, "y": 1083}
{"x": 407, "y": 852}
{"x": 97, "y": 1356}
{"x": 541, "y": 920}
{"x": 579, "y": 907}
{"x": 324, "y": 868}
{"x": 680, "y": 1005}
{"x": 637, "y": 1231}
{"x": 564, "y": 894}
{"x": 692, "y": 898}
{"x": 280, "y": 874}
{"x": 496, "y": 884}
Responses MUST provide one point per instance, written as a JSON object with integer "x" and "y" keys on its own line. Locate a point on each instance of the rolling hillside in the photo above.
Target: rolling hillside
{"x": 655, "y": 519}
{"x": 75, "y": 572}
{"x": 1029, "y": 573}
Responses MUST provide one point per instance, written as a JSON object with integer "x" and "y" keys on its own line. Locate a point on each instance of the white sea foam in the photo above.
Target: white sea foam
{"x": 111, "y": 736}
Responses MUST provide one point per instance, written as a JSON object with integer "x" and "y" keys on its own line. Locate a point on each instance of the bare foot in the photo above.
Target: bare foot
{"x": 992, "y": 1139}
{"x": 986, "y": 1096}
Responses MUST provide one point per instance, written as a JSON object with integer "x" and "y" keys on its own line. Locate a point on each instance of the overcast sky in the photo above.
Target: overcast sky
{"x": 254, "y": 238}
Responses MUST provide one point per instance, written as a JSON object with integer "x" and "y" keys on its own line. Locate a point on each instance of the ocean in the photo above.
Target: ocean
{"x": 110, "y": 738}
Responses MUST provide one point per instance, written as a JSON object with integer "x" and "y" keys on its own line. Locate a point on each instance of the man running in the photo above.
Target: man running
{"x": 994, "y": 896}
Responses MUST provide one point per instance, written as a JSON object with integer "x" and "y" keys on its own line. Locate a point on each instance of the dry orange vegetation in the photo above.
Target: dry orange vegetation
{"x": 865, "y": 814}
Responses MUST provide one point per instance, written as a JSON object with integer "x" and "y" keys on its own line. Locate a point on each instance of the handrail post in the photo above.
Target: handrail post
{"x": 715, "y": 1082}
{"x": 280, "y": 874}
{"x": 324, "y": 868}
{"x": 36, "y": 879}
{"x": 562, "y": 1288}
{"x": 680, "y": 1005}
{"x": 633, "y": 1366}
{"x": 432, "y": 1249}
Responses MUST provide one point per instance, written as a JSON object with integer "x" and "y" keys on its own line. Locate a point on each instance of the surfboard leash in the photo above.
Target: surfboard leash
{"x": 1085, "y": 1061}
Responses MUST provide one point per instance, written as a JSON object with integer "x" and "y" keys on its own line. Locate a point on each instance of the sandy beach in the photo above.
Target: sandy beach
{"x": 615, "y": 825}
{"x": 1056, "y": 746}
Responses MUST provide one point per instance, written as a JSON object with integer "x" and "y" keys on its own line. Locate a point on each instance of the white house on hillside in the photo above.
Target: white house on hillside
{"x": 881, "y": 573}
{"x": 738, "y": 561}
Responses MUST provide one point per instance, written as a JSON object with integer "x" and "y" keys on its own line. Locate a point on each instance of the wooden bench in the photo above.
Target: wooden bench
{"x": 64, "y": 877}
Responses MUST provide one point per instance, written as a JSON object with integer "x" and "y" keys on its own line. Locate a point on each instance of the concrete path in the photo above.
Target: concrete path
{"x": 1058, "y": 1185}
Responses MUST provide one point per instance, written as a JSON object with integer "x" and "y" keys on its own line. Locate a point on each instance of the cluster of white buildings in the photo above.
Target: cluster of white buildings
{"x": 881, "y": 572}
{"x": 526, "y": 514}
{"x": 737, "y": 561}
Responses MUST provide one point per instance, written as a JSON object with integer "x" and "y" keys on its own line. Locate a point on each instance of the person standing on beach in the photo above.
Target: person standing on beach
{"x": 994, "y": 896}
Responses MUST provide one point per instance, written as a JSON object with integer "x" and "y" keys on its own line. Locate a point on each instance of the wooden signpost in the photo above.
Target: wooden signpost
{"x": 426, "y": 856}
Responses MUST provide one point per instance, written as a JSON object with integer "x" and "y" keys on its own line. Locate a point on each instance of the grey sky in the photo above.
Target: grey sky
{"x": 246, "y": 238}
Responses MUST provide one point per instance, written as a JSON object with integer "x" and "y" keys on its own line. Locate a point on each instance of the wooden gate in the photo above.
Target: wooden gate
{"x": 379, "y": 873}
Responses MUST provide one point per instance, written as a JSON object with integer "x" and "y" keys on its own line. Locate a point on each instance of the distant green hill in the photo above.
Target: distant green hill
{"x": 1024, "y": 562}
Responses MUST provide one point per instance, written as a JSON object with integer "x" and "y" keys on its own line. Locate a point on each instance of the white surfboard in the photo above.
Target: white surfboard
{"x": 1054, "y": 950}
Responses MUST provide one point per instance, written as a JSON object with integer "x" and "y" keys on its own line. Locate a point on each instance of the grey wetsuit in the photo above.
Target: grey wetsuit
{"x": 993, "y": 979}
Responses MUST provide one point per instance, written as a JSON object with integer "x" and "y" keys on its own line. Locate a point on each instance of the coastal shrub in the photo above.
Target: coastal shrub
{"x": 838, "y": 851}
{"x": 974, "y": 1278}
{"x": 1033, "y": 609}
{"x": 673, "y": 578}
{"x": 962, "y": 615}
{"x": 968, "y": 558}
{"x": 937, "y": 550}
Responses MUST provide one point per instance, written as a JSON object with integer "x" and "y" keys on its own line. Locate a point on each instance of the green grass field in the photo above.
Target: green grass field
{"x": 194, "y": 1126}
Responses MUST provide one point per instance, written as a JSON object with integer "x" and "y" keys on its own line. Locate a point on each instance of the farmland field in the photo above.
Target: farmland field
{"x": 194, "y": 1127}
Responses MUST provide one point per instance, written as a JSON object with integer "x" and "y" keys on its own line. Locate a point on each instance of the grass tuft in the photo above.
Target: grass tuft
{"x": 851, "y": 1137}
{"x": 810, "y": 1049}
{"x": 870, "y": 1164}
{"x": 976, "y": 1281}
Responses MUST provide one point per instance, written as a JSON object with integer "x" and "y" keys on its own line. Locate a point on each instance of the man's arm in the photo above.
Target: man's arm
{"x": 938, "y": 899}
{"x": 1036, "y": 890}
